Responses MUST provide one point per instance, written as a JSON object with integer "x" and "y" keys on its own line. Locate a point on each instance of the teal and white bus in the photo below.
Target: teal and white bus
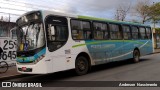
{"x": 49, "y": 42}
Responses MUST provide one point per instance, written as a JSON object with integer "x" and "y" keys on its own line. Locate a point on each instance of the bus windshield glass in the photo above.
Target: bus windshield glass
{"x": 30, "y": 37}
{"x": 30, "y": 32}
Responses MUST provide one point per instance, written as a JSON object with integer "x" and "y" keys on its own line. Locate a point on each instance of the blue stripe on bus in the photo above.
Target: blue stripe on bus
{"x": 32, "y": 58}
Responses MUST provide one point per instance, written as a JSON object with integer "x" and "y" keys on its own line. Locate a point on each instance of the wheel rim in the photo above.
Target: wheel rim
{"x": 136, "y": 56}
{"x": 81, "y": 65}
{"x": 3, "y": 67}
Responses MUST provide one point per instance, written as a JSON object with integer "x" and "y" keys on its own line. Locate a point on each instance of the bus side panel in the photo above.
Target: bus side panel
{"x": 105, "y": 50}
{"x": 115, "y": 50}
{"x": 128, "y": 47}
{"x": 64, "y": 58}
{"x": 56, "y": 60}
{"x": 146, "y": 48}
{"x": 79, "y": 47}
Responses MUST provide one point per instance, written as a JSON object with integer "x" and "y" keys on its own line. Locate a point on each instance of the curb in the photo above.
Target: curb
{"x": 155, "y": 52}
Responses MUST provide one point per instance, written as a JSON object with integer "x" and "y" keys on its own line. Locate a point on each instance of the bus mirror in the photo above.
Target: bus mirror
{"x": 52, "y": 30}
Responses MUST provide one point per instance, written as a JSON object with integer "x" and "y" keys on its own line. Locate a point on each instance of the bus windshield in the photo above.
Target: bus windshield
{"x": 30, "y": 37}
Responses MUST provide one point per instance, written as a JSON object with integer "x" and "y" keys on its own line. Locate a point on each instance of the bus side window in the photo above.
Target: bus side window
{"x": 57, "y": 32}
{"x": 81, "y": 30}
{"x": 51, "y": 32}
{"x": 87, "y": 29}
{"x": 142, "y": 32}
{"x": 148, "y": 33}
{"x": 100, "y": 31}
{"x": 135, "y": 34}
{"x": 115, "y": 32}
{"x": 126, "y": 32}
{"x": 77, "y": 32}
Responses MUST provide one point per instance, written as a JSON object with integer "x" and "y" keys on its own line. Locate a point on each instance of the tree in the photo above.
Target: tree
{"x": 121, "y": 12}
{"x": 142, "y": 9}
{"x": 154, "y": 14}
{"x": 5, "y": 19}
{"x": 1, "y": 19}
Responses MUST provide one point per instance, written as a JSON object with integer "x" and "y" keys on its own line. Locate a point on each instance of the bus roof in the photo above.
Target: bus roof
{"x": 112, "y": 21}
{"x": 88, "y": 18}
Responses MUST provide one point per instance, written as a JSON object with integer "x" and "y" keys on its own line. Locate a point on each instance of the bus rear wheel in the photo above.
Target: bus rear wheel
{"x": 136, "y": 56}
{"x": 81, "y": 65}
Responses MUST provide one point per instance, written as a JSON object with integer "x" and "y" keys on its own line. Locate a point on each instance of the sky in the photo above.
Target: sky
{"x": 96, "y": 8}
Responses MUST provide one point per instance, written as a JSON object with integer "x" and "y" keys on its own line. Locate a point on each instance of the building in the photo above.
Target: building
{"x": 156, "y": 35}
{"x": 5, "y": 28}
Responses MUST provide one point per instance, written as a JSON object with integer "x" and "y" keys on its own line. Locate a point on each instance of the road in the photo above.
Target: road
{"x": 148, "y": 69}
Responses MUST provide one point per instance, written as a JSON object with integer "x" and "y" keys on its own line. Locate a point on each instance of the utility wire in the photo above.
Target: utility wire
{"x": 48, "y": 7}
{"x": 18, "y": 5}
{"x": 13, "y": 9}
{"x": 10, "y": 13}
{"x": 30, "y": 4}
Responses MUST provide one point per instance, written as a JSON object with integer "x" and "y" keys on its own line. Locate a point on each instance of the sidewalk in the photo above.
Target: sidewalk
{"x": 156, "y": 50}
{"x": 12, "y": 71}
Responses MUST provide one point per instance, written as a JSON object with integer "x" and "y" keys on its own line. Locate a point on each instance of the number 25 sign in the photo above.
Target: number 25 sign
{"x": 9, "y": 49}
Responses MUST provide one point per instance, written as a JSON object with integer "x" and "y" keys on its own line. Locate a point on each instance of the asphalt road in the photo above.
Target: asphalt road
{"x": 148, "y": 69}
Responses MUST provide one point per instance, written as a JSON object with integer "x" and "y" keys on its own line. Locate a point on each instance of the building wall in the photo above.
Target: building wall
{"x": 5, "y": 28}
{"x": 7, "y": 43}
{"x": 156, "y": 35}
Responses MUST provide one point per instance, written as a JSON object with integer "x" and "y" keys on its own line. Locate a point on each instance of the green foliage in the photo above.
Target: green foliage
{"x": 157, "y": 29}
{"x": 154, "y": 14}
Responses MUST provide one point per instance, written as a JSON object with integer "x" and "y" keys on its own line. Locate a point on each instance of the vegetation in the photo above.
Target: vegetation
{"x": 144, "y": 10}
{"x": 154, "y": 14}
{"x": 148, "y": 12}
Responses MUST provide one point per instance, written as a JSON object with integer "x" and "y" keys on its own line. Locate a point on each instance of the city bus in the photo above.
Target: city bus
{"x": 49, "y": 42}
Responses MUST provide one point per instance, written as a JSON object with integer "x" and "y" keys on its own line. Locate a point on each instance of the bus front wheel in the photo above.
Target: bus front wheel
{"x": 136, "y": 56}
{"x": 81, "y": 65}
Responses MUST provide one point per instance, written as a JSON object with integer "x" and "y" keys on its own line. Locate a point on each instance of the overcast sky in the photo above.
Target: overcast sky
{"x": 96, "y": 8}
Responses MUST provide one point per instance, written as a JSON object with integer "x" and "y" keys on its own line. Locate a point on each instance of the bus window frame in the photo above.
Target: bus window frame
{"x": 130, "y": 30}
{"x": 55, "y": 24}
{"x": 140, "y": 33}
{"x": 150, "y": 29}
{"x": 46, "y": 32}
{"x": 120, "y": 30}
{"x": 107, "y": 27}
{"x": 85, "y": 20}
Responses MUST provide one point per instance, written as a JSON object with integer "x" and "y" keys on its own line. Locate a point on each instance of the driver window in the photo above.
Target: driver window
{"x": 57, "y": 32}
{"x": 51, "y": 32}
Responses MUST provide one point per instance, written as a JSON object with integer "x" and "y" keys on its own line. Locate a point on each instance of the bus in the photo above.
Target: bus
{"x": 49, "y": 42}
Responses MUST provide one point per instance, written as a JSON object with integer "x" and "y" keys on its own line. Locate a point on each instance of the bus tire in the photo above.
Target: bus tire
{"x": 136, "y": 56}
{"x": 81, "y": 65}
